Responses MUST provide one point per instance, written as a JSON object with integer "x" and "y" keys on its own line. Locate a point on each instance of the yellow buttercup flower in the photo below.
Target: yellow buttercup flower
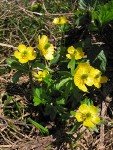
{"x": 24, "y": 54}
{"x": 46, "y": 49}
{"x": 76, "y": 53}
{"x": 88, "y": 75}
{"x": 40, "y": 75}
{"x": 60, "y": 20}
{"x": 88, "y": 115}
{"x": 97, "y": 79}
{"x": 42, "y": 41}
{"x": 81, "y": 76}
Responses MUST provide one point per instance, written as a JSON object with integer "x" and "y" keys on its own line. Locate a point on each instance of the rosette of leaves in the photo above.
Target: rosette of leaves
{"x": 103, "y": 14}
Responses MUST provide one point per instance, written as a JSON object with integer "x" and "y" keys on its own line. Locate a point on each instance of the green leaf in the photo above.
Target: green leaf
{"x": 36, "y": 64}
{"x": 37, "y": 92}
{"x": 68, "y": 89}
{"x": 94, "y": 129}
{"x": 87, "y": 101}
{"x": 48, "y": 80}
{"x": 75, "y": 128}
{"x": 99, "y": 57}
{"x": 18, "y": 66}
{"x": 103, "y": 13}
{"x": 39, "y": 96}
{"x": 72, "y": 113}
{"x": 64, "y": 73}
{"x": 102, "y": 122}
{"x": 71, "y": 65}
{"x": 56, "y": 58}
{"x": 16, "y": 76}
{"x": 62, "y": 83}
{"x": 38, "y": 126}
{"x": 60, "y": 101}
{"x": 10, "y": 60}
{"x": 37, "y": 101}
{"x": 79, "y": 12}
{"x": 101, "y": 61}
{"x": 83, "y": 4}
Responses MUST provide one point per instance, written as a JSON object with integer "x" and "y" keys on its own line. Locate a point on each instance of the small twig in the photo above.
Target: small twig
{"x": 44, "y": 7}
{"x": 46, "y": 14}
{"x": 7, "y": 140}
{"x": 4, "y": 120}
{"x": 4, "y": 14}
{"x": 102, "y": 131}
{"x": 14, "y": 134}
{"x": 7, "y": 45}
{"x": 20, "y": 30}
{"x": 7, "y": 146}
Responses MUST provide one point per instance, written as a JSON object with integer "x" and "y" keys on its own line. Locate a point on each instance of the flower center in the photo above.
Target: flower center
{"x": 47, "y": 46}
{"x": 84, "y": 76}
{"x": 97, "y": 76}
{"x": 88, "y": 115}
{"x": 24, "y": 54}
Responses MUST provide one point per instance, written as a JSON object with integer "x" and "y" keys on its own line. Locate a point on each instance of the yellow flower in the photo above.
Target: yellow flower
{"x": 88, "y": 75}
{"x": 46, "y": 49}
{"x": 60, "y": 20}
{"x": 24, "y": 54}
{"x": 76, "y": 53}
{"x": 88, "y": 115}
{"x": 42, "y": 41}
{"x": 40, "y": 75}
{"x": 81, "y": 76}
{"x": 97, "y": 79}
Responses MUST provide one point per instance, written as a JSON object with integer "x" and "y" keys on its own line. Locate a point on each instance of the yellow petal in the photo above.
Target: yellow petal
{"x": 22, "y": 48}
{"x": 43, "y": 40}
{"x": 23, "y": 60}
{"x": 30, "y": 53}
{"x": 80, "y": 82}
{"x": 89, "y": 81}
{"x": 71, "y": 50}
{"x": 51, "y": 49}
{"x": 30, "y": 49}
{"x": 35, "y": 75}
{"x": 104, "y": 79}
{"x": 33, "y": 56}
{"x": 79, "y": 53}
{"x": 39, "y": 79}
{"x": 95, "y": 120}
{"x": 63, "y": 20}
{"x": 93, "y": 110}
{"x": 48, "y": 56}
{"x": 45, "y": 72}
{"x": 48, "y": 53}
{"x": 97, "y": 84}
{"x": 83, "y": 108}
{"x": 56, "y": 21}
{"x": 84, "y": 68}
{"x": 88, "y": 123}
{"x": 17, "y": 54}
{"x": 83, "y": 87}
{"x": 79, "y": 117}
{"x": 95, "y": 73}
{"x": 68, "y": 56}
{"x": 60, "y": 20}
